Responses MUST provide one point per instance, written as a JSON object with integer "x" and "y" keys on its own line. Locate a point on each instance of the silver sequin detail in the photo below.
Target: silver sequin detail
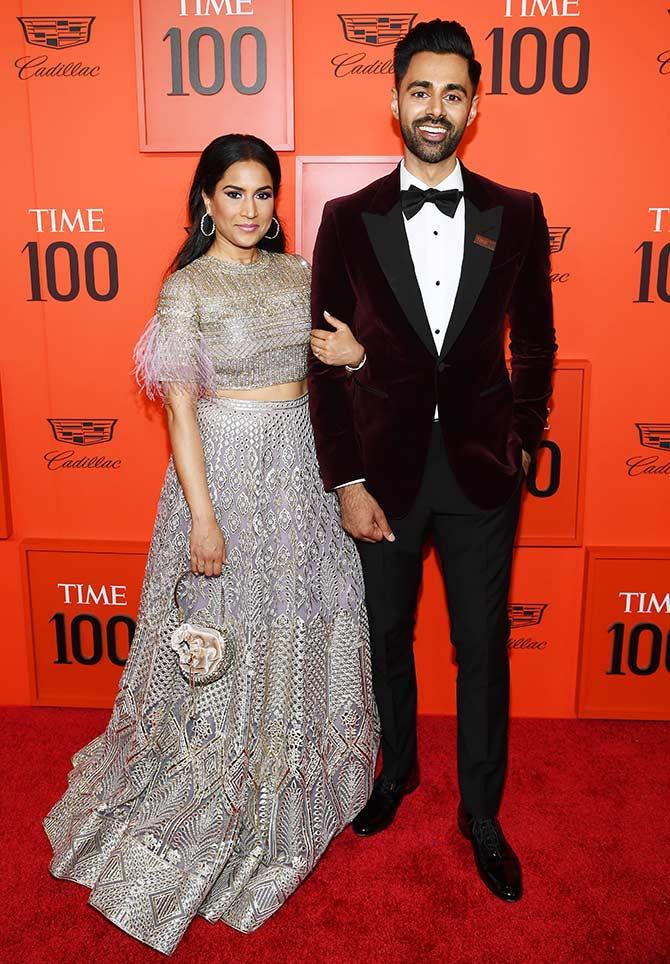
{"x": 225, "y": 325}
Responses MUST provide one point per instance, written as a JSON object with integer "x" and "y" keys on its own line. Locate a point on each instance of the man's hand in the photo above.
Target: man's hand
{"x": 362, "y": 516}
{"x": 525, "y": 461}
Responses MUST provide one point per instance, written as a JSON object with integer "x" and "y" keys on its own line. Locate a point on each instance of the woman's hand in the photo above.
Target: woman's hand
{"x": 208, "y": 547}
{"x": 337, "y": 347}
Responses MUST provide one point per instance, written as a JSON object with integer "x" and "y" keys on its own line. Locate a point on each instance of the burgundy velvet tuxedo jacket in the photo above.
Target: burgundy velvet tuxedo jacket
{"x": 376, "y": 423}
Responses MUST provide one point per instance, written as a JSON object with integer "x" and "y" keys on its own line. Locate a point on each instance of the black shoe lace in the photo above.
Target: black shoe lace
{"x": 488, "y": 834}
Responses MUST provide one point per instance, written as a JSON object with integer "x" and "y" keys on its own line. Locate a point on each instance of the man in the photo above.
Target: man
{"x": 427, "y": 432}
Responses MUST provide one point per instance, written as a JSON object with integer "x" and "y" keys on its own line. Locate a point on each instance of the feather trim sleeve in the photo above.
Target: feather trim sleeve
{"x": 171, "y": 352}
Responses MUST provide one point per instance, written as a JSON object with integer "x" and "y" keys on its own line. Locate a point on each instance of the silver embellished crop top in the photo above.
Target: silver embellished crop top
{"x": 227, "y": 325}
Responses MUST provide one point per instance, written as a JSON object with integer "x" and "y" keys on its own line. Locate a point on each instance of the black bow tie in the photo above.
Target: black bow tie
{"x": 413, "y": 199}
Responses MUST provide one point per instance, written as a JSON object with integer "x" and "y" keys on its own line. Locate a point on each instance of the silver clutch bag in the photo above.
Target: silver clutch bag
{"x": 202, "y": 643}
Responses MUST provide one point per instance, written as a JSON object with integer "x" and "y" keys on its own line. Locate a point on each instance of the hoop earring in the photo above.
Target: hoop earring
{"x": 207, "y": 234}
{"x": 271, "y": 237}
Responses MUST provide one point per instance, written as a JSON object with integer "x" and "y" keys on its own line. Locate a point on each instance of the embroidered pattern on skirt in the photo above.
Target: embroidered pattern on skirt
{"x": 219, "y": 800}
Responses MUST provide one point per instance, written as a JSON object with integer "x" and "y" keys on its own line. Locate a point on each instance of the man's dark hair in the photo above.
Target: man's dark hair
{"x": 436, "y": 37}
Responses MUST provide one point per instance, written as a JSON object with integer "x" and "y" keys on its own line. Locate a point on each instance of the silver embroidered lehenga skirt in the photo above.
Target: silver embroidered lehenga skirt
{"x": 219, "y": 799}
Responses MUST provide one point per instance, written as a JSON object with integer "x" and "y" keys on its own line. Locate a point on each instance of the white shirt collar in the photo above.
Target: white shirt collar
{"x": 453, "y": 180}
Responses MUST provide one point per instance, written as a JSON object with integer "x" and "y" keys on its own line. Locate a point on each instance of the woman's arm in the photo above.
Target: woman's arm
{"x": 206, "y": 542}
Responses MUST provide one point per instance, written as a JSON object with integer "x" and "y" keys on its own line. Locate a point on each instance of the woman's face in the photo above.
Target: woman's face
{"x": 242, "y": 204}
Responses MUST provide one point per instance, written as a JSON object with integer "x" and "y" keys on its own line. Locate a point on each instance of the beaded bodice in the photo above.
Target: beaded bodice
{"x": 227, "y": 325}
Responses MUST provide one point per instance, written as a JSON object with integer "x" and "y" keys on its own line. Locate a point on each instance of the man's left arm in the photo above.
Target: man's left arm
{"x": 532, "y": 335}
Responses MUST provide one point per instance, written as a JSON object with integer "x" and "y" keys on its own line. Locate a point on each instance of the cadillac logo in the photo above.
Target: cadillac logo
{"x": 54, "y": 33}
{"x": 376, "y": 29}
{"x": 557, "y": 239}
{"x": 654, "y": 435}
{"x": 526, "y": 614}
{"x": 83, "y": 431}
{"x": 663, "y": 60}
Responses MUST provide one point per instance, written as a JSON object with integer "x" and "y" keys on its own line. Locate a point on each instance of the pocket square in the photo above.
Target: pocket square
{"x": 485, "y": 242}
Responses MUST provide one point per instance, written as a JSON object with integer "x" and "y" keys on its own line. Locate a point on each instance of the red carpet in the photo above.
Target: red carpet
{"x": 586, "y": 807}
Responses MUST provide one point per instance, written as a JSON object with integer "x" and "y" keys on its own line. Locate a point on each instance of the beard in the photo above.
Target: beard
{"x": 431, "y": 153}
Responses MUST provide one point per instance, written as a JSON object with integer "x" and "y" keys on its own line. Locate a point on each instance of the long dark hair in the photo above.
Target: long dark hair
{"x": 214, "y": 161}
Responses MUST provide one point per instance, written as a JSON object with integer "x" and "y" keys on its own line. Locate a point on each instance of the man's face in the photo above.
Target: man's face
{"x": 434, "y": 105}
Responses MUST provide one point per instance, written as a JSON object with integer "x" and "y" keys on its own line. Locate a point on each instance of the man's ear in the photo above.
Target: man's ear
{"x": 394, "y": 103}
{"x": 473, "y": 110}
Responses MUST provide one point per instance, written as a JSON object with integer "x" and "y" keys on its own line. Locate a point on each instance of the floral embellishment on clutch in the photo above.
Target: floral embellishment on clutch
{"x": 204, "y": 655}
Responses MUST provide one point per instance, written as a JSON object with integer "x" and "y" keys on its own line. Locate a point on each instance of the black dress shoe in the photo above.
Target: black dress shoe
{"x": 379, "y": 811}
{"x": 496, "y": 862}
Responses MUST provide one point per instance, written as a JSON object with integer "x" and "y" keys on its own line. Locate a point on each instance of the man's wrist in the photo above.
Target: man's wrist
{"x": 350, "y": 489}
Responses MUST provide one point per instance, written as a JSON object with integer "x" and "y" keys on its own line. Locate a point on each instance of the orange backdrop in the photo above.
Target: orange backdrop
{"x": 106, "y": 107}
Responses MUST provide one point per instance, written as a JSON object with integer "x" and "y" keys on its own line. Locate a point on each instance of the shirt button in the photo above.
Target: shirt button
{"x": 437, "y": 282}
{"x": 435, "y": 233}
{"x": 437, "y": 331}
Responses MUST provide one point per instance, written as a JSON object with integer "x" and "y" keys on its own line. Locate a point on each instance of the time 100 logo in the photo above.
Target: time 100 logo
{"x": 207, "y": 44}
{"x": 59, "y": 269}
{"x": 523, "y": 60}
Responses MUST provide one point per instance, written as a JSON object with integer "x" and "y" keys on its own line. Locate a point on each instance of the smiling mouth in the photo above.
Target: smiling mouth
{"x": 247, "y": 227}
{"x": 432, "y": 132}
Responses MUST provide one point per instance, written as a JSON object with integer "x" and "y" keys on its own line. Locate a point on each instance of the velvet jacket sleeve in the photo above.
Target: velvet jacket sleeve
{"x": 329, "y": 396}
{"x": 532, "y": 335}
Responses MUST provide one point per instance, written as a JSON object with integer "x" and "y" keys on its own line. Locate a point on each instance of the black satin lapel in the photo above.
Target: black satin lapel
{"x": 477, "y": 260}
{"x": 389, "y": 241}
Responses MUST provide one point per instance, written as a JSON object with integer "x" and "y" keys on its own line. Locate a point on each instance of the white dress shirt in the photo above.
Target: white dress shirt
{"x": 436, "y": 244}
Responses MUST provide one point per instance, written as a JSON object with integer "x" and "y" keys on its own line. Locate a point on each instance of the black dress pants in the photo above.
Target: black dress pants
{"x": 475, "y": 550}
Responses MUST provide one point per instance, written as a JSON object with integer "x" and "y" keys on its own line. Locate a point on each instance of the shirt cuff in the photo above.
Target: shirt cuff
{"x": 357, "y": 368}
{"x": 353, "y": 481}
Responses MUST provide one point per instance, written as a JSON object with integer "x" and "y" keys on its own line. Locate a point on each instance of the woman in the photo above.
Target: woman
{"x": 243, "y": 739}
